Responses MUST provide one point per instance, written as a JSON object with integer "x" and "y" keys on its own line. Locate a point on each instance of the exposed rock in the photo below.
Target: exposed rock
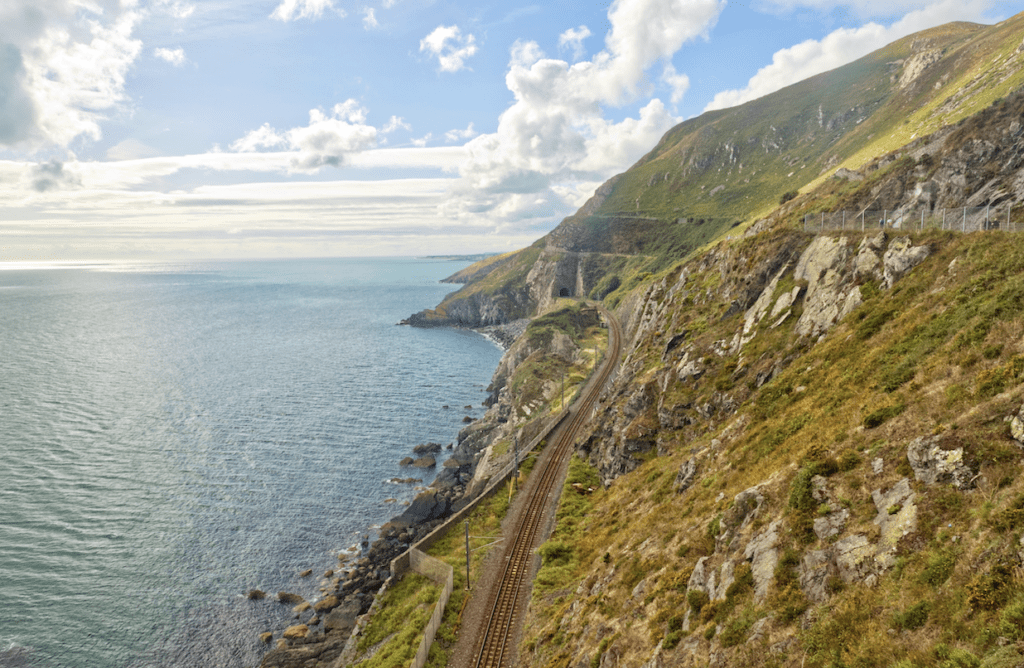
{"x": 294, "y": 632}
{"x": 848, "y": 175}
{"x": 830, "y": 295}
{"x": 326, "y": 604}
{"x": 342, "y": 618}
{"x": 425, "y": 463}
{"x": 815, "y": 568}
{"x": 932, "y": 464}
{"x": 763, "y": 556}
{"x": 686, "y": 476}
{"x": 854, "y": 557}
{"x": 288, "y": 598}
{"x": 256, "y": 594}
{"x": 406, "y": 461}
{"x": 727, "y": 577}
{"x": 427, "y": 448}
{"x": 306, "y": 573}
{"x": 831, "y": 524}
{"x": 698, "y": 578}
{"x": 897, "y": 517}
{"x": 900, "y": 258}
{"x": 265, "y": 638}
{"x": 1017, "y": 427}
{"x": 744, "y": 508}
{"x": 301, "y": 608}
{"x": 877, "y": 465}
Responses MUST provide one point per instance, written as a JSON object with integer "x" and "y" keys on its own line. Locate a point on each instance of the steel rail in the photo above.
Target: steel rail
{"x": 495, "y": 641}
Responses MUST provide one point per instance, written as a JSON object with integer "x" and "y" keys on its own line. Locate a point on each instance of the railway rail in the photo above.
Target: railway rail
{"x": 506, "y": 597}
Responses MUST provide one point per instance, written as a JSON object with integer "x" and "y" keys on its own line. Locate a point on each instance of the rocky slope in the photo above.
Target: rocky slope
{"x": 813, "y": 452}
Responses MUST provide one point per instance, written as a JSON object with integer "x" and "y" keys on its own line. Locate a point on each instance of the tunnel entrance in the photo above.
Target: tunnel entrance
{"x": 563, "y": 292}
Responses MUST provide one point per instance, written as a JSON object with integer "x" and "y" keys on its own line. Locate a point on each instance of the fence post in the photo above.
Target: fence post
{"x": 922, "y": 220}
{"x": 821, "y": 228}
{"x": 844, "y": 220}
{"x": 988, "y": 207}
{"x": 943, "y": 218}
{"x": 862, "y": 219}
{"x": 964, "y": 226}
{"x": 885, "y": 215}
{"x": 1009, "y": 207}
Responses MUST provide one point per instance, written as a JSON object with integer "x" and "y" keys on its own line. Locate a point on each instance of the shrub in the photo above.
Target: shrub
{"x": 938, "y": 568}
{"x": 913, "y": 618}
{"x": 697, "y": 600}
{"x": 788, "y": 196}
{"x": 988, "y": 591}
{"x": 1011, "y": 623}
{"x": 878, "y": 417}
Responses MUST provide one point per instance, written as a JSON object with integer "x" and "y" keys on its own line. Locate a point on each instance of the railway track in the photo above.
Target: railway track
{"x": 495, "y": 646}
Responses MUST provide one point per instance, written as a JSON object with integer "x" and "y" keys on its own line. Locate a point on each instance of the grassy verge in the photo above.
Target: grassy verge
{"x": 395, "y": 632}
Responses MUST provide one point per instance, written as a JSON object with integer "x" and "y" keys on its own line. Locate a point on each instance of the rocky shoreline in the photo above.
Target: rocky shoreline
{"x": 321, "y": 629}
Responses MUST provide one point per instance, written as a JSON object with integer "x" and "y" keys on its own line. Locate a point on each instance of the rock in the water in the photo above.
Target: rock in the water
{"x": 425, "y": 462}
{"x": 265, "y": 638}
{"x": 327, "y": 603}
{"x": 306, "y": 573}
{"x": 256, "y": 594}
{"x": 427, "y": 448}
{"x": 288, "y": 597}
{"x": 342, "y": 618}
{"x": 295, "y": 632}
{"x": 406, "y": 461}
{"x": 301, "y": 608}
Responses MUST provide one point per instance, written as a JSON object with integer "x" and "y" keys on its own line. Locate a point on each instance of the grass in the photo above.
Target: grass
{"x": 395, "y": 631}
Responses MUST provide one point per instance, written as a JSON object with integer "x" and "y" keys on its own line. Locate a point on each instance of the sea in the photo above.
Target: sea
{"x": 173, "y": 435}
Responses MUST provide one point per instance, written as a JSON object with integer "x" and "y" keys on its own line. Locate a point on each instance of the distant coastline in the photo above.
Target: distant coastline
{"x": 476, "y": 257}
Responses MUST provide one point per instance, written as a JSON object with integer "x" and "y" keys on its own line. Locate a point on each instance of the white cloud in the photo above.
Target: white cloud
{"x": 460, "y": 135}
{"x": 555, "y": 135}
{"x": 395, "y": 123}
{"x": 63, "y": 65}
{"x": 450, "y": 47}
{"x": 177, "y": 8}
{"x": 422, "y": 141}
{"x": 679, "y": 83}
{"x": 370, "y": 18}
{"x": 326, "y": 141}
{"x": 291, "y": 10}
{"x": 388, "y": 4}
{"x": 175, "y": 57}
{"x": 573, "y": 39}
{"x": 843, "y": 46}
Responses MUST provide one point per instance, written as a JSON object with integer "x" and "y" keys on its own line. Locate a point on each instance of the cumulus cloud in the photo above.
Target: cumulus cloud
{"x": 370, "y": 18}
{"x": 555, "y": 136}
{"x": 325, "y": 142}
{"x": 450, "y": 47}
{"x": 842, "y": 46}
{"x": 395, "y": 123}
{"x": 678, "y": 83}
{"x": 461, "y": 135}
{"x": 175, "y": 57}
{"x": 573, "y": 39}
{"x": 291, "y": 10}
{"x": 131, "y": 149}
{"x": 63, "y": 65}
{"x": 422, "y": 141}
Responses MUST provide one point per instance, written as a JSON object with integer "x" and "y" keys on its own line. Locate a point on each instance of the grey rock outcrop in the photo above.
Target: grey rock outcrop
{"x": 763, "y": 554}
{"x": 900, "y": 258}
{"x": 932, "y": 464}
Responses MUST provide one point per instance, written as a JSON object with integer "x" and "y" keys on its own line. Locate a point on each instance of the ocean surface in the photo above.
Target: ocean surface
{"x": 174, "y": 435}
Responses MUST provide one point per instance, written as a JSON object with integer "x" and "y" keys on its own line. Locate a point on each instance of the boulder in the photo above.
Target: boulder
{"x": 295, "y": 632}
{"x": 406, "y": 461}
{"x": 288, "y": 598}
{"x": 306, "y": 573}
{"x": 256, "y": 594}
{"x": 932, "y": 464}
{"x": 301, "y": 608}
{"x": 815, "y": 569}
{"x": 427, "y": 449}
{"x": 1017, "y": 427}
{"x": 265, "y": 638}
{"x": 425, "y": 462}
{"x": 325, "y": 604}
{"x": 342, "y": 618}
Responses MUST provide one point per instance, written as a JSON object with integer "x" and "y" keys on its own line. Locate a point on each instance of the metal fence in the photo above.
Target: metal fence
{"x": 444, "y": 575}
{"x": 961, "y": 219}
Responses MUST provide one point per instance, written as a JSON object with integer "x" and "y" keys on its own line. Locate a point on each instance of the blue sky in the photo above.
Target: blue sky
{"x": 176, "y": 129}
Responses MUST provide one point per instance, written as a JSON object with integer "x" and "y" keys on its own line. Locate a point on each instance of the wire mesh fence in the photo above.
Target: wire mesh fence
{"x": 961, "y": 219}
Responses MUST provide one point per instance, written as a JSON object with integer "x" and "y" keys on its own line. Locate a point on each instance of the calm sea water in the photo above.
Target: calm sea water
{"x": 172, "y": 436}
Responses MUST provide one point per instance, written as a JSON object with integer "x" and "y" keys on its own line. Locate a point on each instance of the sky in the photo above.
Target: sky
{"x": 192, "y": 129}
